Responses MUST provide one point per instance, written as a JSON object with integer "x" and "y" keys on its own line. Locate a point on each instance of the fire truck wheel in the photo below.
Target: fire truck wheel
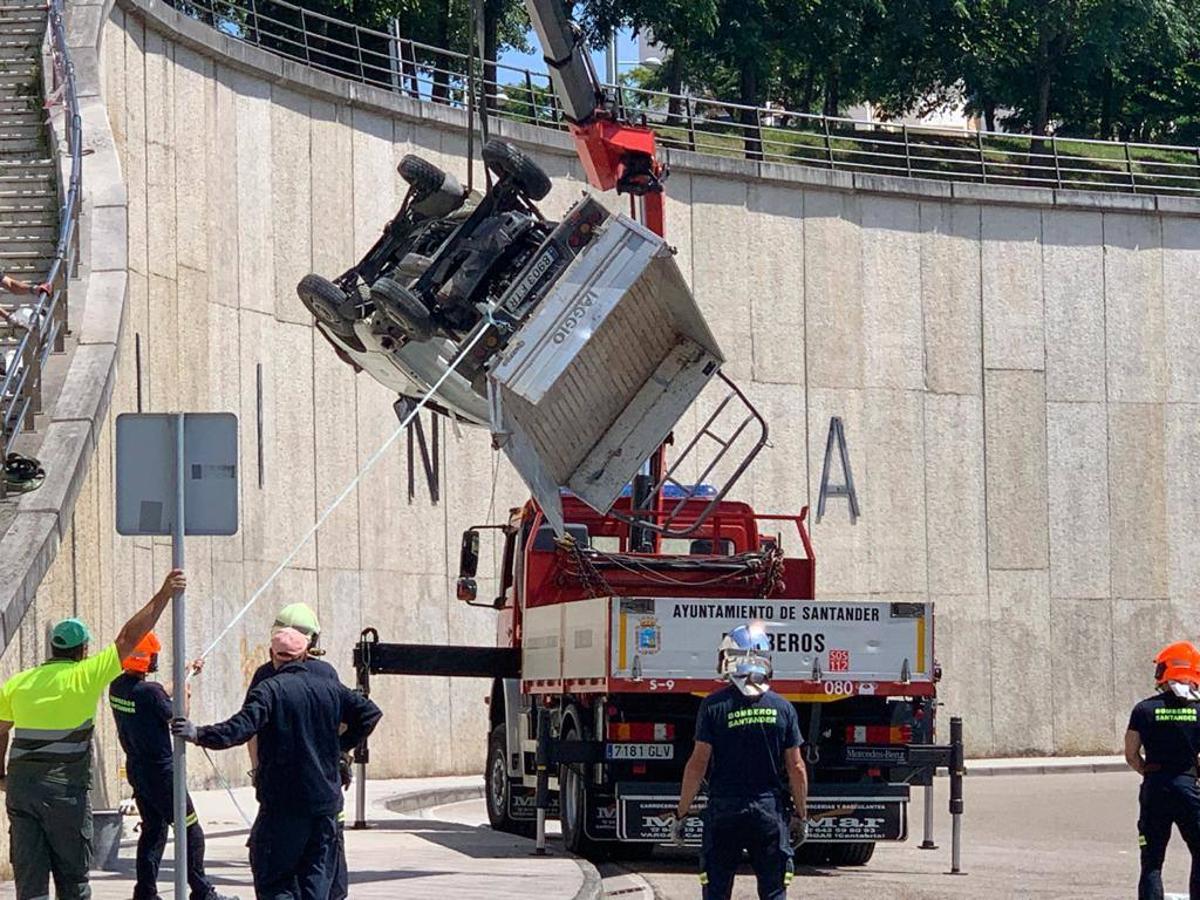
{"x": 498, "y": 786}
{"x": 854, "y": 854}
{"x": 573, "y": 806}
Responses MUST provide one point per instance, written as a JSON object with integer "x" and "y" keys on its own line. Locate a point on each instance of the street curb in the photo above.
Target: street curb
{"x": 418, "y": 800}
{"x": 1050, "y": 768}
{"x": 592, "y": 887}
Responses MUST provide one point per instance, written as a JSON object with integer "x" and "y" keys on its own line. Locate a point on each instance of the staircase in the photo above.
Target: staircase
{"x": 28, "y": 176}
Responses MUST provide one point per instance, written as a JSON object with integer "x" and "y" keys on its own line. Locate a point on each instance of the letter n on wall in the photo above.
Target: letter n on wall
{"x": 837, "y": 434}
{"x": 428, "y": 450}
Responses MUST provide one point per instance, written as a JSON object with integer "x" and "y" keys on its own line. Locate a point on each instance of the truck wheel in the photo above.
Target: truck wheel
{"x": 858, "y": 853}
{"x": 421, "y": 174}
{"x": 324, "y": 300}
{"x": 573, "y": 808}
{"x": 507, "y": 161}
{"x": 402, "y": 307}
{"x": 497, "y": 786}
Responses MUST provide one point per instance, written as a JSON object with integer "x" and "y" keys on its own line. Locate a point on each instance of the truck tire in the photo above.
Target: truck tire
{"x": 497, "y": 785}
{"x": 324, "y": 300}
{"x": 401, "y": 307}
{"x": 858, "y": 853}
{"x": 573, "y": 802}
{"x": 421, "y": 174}
{"x": 508, "y": 162}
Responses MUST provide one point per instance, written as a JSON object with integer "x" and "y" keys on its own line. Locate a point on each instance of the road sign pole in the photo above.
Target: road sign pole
{"x": 179, "y": 670}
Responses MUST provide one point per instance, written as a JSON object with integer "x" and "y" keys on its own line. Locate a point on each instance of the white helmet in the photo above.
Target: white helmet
{"x": 744, "y": 658}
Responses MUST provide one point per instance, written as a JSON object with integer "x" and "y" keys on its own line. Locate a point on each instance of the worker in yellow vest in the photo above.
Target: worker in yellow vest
{"x": 49, "y": 711}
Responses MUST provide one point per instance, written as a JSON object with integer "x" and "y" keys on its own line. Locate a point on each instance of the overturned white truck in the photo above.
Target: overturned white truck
{"x": 584, "y": 344}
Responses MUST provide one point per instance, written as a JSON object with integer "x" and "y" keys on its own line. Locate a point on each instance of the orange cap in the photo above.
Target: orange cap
{"x": 1179, "y": 661}
{"x": 139, "y": 659}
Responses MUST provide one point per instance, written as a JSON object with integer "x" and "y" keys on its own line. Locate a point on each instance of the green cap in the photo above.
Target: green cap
{"x": 69, "y": 634}
{"x": 299, "y": 616}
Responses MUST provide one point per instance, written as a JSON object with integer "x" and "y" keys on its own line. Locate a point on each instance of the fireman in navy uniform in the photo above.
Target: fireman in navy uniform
{"x": 751, "y": 737}
{"x": 301, "y": 617}
{"x": 142, "y": 710}
{"x": 1167, "y": 728}
{"x": 296, "y": 717}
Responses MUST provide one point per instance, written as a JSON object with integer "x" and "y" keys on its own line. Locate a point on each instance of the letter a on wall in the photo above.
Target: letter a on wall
{"x": 846, "y": 489}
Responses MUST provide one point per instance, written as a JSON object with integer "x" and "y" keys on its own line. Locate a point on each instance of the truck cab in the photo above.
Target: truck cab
{"x": 617, "y": 629}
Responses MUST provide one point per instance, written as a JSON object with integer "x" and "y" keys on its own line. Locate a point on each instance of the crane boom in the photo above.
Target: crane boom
{"x": 614, "y": 154}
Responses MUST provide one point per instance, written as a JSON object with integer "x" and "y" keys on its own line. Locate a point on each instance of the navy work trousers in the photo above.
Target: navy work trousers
{"x": 1167, "y": 800}
{"x": 154, "y": 794}
{"x": 759, "y": 827}
{"x": 293, "y": 856}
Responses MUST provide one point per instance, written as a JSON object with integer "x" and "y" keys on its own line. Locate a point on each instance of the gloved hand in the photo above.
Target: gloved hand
{"x": 797, "y": 830}
{"x": 678, "y": 827}
{"x": 181, "y": 727}
{"x": 344, "y": 770}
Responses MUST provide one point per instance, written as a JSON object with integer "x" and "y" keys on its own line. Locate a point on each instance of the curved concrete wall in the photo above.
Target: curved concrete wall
{"x": 1017, "y": 372}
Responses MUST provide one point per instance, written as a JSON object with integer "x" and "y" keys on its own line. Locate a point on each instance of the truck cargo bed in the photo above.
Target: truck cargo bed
{"x": 599, "y": 375}
{"x": 821, "y": 649}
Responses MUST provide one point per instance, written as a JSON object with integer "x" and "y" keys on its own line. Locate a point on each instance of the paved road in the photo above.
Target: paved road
{"x": 1043, "y": 836}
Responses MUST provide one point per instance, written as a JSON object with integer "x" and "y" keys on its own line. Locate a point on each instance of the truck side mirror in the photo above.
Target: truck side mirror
{"x": 467, "y": 590}
{"x": 468, "y": 559}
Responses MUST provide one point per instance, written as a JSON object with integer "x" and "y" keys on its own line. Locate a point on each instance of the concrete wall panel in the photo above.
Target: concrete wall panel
{"x": 1183, "y": 513}
{"x": 950, "y": 282}
{"x": 833, "y": 290}
{"x": 956, "y": 520}
{"x": 891, "y": 292}
{"x": 224, "y": 225}
{"x": 1077, "y": 469}
{"x": 842, "y": 542}
{"x": 1023, "y": 678}
{"x": 725, "y": 292}
{"x": 894, "y": 490}
{"x": 291, "y": 199}
{"x": 1083, "y": 696}
{"x": 1015, "y": 436}
{"x": 1137, "y": 497}
{"x": 1133, "y": 295}
{"x": 1073, "y": 260}
{"x": 963, "y": 647}
{"x": 1013, "y": 321}
{"x": 256, "y": 230}
{"x": 774, "y": 284}
{"x": 1181, "y": 274}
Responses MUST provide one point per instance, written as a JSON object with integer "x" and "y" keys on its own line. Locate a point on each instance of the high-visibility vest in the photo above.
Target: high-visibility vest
{"x": 52, "y": 707}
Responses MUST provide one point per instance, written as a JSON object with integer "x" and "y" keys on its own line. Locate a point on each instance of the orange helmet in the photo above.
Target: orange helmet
{"x": 1179, "y": 661}
{"x": 143, "y": 654}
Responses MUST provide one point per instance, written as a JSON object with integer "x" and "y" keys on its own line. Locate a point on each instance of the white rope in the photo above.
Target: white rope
{"x": 346, "y": 491}
{"x": 228, "y": 789}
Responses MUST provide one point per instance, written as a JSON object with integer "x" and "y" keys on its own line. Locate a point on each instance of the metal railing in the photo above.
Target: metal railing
{"x": 704, "y": 125}
{"x": 21, "y": 385}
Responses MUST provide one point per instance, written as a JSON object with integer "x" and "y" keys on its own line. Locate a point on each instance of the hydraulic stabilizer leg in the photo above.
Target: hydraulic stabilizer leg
{"x": 957, "y": 770}
{"x": 542, "y": 762}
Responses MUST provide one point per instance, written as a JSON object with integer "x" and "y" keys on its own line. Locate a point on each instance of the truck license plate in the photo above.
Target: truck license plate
{"x": 624, "y": 751}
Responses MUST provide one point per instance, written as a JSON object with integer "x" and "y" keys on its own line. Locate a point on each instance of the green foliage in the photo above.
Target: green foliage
{"x": 1126, "y": 69}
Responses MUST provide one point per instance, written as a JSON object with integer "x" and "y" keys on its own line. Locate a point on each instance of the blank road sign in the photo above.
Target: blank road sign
{"x": 146, "y": 466}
